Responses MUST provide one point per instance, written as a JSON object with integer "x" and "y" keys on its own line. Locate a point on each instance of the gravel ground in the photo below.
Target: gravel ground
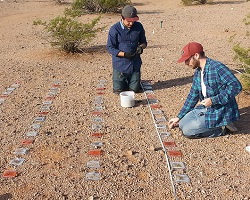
{"x": 134, "y": 163}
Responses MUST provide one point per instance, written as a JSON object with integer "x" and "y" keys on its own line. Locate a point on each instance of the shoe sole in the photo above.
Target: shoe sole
{"x": 233, "y": 129}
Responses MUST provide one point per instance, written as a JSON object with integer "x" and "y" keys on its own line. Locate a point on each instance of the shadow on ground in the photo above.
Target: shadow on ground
{"x": 172, "y": 82}
{"x": 6, "y": 196}
{"x": 95, "y": 49}
{"x": 228, "y": 2}
{"x": 243, "y": 123}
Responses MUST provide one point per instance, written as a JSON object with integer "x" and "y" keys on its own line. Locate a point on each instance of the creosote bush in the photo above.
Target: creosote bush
{"x": 192, "y": 2}
{"x": 95, "y": 6}
{"x": 243, "y": 55}
{"x": 68, "y": 34}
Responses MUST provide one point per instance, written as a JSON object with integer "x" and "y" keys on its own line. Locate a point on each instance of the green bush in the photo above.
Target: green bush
{"x": 192, "y": 2}
{"x": 68, "y": 34}
{"x": 95, "y": 6}
{"x": 112, "y": 5}
{"x": 243, "y": 55}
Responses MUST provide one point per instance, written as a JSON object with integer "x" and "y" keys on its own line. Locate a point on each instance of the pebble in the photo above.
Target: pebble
{"x": 152, "y": 148}
{"x": 248, "y": 148}
{"x": 130, "y": 153}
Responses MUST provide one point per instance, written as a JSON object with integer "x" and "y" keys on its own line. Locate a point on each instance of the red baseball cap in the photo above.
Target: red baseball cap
{"x": 189, "y": 50}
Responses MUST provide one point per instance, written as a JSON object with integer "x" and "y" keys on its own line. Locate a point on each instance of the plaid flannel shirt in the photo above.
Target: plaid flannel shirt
{"x": 221, "y": 86}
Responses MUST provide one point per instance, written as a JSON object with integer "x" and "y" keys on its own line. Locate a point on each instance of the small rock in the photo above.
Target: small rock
{"x": 151, "y": 148}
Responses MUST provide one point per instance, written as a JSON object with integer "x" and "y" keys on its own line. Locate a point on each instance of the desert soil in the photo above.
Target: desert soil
{"x": 133, "y": 164}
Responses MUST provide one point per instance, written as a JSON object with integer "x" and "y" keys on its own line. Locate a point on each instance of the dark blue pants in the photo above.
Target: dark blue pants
{"x": 124, "y": 81}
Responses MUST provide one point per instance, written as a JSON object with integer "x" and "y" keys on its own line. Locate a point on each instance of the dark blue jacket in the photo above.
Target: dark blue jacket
{"x": 127, "y": 40}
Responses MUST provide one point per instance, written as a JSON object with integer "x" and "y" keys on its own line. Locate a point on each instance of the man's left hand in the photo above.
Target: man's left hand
{"x": 206, "y": 102}
{"x": 139, "y": 50}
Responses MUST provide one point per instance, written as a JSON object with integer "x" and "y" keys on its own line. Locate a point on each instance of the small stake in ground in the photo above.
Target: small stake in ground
{"x": 169, "y": 144}
{"x": 32, "y": 133}
{"x": 101, "y": 88}
{"x": 96, "y": 112}
{"x": 96, "y": 152}
{"x": 21, "y": 151}
{"x": 174, "y": 153}
{"x": 35, "y": 126}
{"x": 156, "y": 112}
{"x": 155, "y": 106}
{"x": 17, "y": 161}
{"x": 96, "y": 127}
{"x": 97, "y": 135}
{"x": 97, "y": 144}
{"x": 9, "y": 173}
{"x": 27, "y": 141}
{"x": 151, "y": 96}
{"x": 100, "y": 93}
{"x": 177, "y": 165}
{"x": 42, "y": 113}
{"x": 94, "y": 176}
{"x": 49, "y": 98}
{"x": 181, "y": 178}
{"x": 93, "y": 164}
{"x": 98, "y": 119}
{"x": 164, "y": 135}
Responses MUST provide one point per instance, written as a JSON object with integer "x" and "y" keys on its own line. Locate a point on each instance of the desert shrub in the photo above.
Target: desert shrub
{"x": 68, "y": 34}
{"x": 95, "y": 6}
{"x": 191, "y": 2}
{"x": 73, "y": 12}
{"x": 112, "y": 5}
{"x": 58, "y": 1}
{"x": 76, "y": 9}
{"x": 243, "y": 55}
{"x": 247, "y": 20}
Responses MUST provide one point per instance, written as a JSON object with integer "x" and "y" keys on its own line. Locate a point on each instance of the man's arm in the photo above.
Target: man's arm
{"x": 230, "y": 86}
{"x": 112, "y": 45}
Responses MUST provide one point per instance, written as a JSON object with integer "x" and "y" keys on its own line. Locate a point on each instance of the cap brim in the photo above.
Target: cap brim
{"x": 183, "y": 58}
{"x": 134, "y": 19}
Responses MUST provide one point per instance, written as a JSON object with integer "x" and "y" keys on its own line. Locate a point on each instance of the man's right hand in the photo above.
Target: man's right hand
{"x": 173, "y": 122}
{"x": 139, "y": 50}
{"x": 129, "y": 55}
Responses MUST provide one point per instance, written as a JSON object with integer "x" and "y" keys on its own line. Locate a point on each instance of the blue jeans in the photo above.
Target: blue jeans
{"x": 124, "y": 81}
{"x": 193, "y": 125}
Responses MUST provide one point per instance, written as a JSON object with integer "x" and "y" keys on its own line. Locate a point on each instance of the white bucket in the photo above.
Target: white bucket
{"x": 127, "y": 98}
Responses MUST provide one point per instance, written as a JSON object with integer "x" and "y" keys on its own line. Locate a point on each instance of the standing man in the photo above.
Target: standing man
{"x": 126, "y": 41}
{"x": 210, "y": 107}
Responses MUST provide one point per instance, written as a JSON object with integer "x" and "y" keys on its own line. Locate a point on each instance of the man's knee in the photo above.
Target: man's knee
{"x": 135, "y": 86}
{"x": 195, "y": 134}
{"x": 192, "y": 136}
{"x": 188, "y": 134}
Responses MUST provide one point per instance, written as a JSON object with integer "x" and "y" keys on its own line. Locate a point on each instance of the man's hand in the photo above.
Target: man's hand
{"x": 139, "y": 50}
{"x": 206, "y": 102}
{"x": 129, "y": 55}
{"x": 173, "y": 122}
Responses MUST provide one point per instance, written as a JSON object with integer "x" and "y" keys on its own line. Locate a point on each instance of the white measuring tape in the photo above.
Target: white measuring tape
{"x": 163, "y": 135}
